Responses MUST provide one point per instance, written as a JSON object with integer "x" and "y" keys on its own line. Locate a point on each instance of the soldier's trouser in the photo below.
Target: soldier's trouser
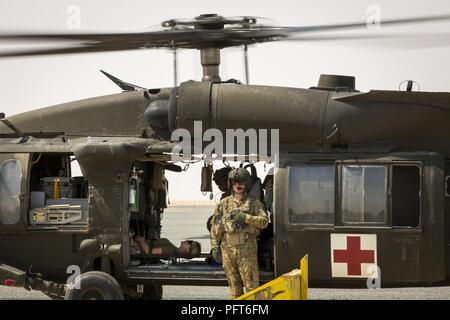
{"x": 241, "y": 266}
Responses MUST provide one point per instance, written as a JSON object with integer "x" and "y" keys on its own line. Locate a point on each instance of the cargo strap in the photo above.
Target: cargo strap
{"x": 55, "y": 188}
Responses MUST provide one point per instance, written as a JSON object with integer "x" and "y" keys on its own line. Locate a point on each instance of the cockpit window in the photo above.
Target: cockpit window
{"x": 10, "y": 185}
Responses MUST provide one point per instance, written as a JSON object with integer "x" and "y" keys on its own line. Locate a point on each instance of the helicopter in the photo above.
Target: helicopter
{"x": 361, "y": 184}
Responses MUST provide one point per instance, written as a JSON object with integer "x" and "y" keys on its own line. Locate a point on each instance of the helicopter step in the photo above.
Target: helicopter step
{"x": 185, "y": 273}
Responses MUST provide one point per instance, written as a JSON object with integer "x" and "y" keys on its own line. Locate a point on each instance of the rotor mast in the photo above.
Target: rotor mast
{"x": 210, "y": 57}
{"x": 210, "y": 36}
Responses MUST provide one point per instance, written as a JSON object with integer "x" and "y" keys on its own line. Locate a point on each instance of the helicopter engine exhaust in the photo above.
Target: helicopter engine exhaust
{"x": 157, "y": 116}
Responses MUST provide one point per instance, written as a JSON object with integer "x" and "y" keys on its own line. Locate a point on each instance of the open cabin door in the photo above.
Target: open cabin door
{"x": 13, "y": 192}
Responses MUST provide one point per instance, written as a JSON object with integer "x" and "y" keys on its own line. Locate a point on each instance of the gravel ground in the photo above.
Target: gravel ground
{"x": 221, "y": 293}
{"x": 192, "y": 222}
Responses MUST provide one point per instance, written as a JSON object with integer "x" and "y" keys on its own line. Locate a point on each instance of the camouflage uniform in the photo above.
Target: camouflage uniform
{"x": 237, "y": 241}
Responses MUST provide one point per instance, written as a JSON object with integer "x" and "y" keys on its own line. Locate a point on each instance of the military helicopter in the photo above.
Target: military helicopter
{"x": 361, "y": 181}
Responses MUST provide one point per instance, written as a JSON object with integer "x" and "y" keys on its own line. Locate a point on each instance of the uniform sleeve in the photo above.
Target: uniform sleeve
{"x": 167, "y": 247}
{"x": 259, "y": 220}
{"x": 216, "y": 227}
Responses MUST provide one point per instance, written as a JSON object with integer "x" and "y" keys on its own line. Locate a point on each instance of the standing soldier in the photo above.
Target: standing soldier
{"x": 237, "y": 221}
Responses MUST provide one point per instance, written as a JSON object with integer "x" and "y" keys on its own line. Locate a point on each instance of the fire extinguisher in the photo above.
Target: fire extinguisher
{"x": 133, "y": 198}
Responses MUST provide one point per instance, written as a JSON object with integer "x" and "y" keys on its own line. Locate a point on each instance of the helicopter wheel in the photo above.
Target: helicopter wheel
{"x": 94, "y": 285}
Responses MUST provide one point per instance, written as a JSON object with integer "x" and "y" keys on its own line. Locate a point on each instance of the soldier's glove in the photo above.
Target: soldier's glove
{"x": 240, "y": 217}
{"x": 217, "y": 255}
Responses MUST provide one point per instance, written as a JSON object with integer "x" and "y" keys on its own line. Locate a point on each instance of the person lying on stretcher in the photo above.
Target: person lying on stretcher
{"x": 164, "y": 247}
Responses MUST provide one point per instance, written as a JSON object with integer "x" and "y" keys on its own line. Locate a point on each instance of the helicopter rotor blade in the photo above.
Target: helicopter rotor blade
{"x": 133, "y": 37}
{"x": 191, "y": 39}
{"x": 243, "y": 31}
{"x": 341, "y": 26}
{"x": 403, "y": 40}
{"x": 63, "y": 50}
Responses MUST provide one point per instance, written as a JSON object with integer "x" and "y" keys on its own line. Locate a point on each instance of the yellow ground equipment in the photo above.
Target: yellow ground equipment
{"x": 289, "y": 286}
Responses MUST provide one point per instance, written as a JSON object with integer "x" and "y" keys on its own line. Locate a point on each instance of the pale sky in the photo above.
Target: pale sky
{"x": 30, "y": 83}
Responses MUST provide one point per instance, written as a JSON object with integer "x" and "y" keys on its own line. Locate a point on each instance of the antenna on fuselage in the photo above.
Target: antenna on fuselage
{"x": 247, "y": 76}
{"x": 175, "y": 65}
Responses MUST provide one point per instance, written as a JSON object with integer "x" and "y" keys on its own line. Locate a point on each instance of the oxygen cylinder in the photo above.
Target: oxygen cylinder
{"x": 133, "y": 194}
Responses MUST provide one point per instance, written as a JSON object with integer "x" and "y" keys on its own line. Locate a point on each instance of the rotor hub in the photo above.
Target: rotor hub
{"x": 210, "y": 21}
{"x": 210, "y": 54}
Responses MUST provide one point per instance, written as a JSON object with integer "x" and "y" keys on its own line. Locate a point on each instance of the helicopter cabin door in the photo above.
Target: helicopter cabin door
{"x": 13, "y": 191}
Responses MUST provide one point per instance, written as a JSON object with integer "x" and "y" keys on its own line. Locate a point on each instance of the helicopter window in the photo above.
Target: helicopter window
{"x": 10, "y": 185}
{"x": 311, "y": 194}
{"x": 363, "y": 194}
{"x": 405, "y": 196}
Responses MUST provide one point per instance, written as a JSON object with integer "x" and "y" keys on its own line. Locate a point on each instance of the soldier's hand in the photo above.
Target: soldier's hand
{"x": 240, "y": 217}
{"x": 217, "y": 255}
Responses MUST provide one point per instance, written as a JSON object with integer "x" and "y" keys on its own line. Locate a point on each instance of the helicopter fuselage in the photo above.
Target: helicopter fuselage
{"x": 339, "y": 131}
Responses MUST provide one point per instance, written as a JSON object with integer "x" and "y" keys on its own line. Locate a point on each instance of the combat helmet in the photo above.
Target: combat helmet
{"x": 239, "y": 174}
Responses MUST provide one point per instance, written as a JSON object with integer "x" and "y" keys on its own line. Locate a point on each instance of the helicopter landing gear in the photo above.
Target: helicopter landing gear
{"x": 94, "y": 285}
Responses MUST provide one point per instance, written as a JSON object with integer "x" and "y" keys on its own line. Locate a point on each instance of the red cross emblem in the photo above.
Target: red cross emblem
{"x": 349, "y": 256}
